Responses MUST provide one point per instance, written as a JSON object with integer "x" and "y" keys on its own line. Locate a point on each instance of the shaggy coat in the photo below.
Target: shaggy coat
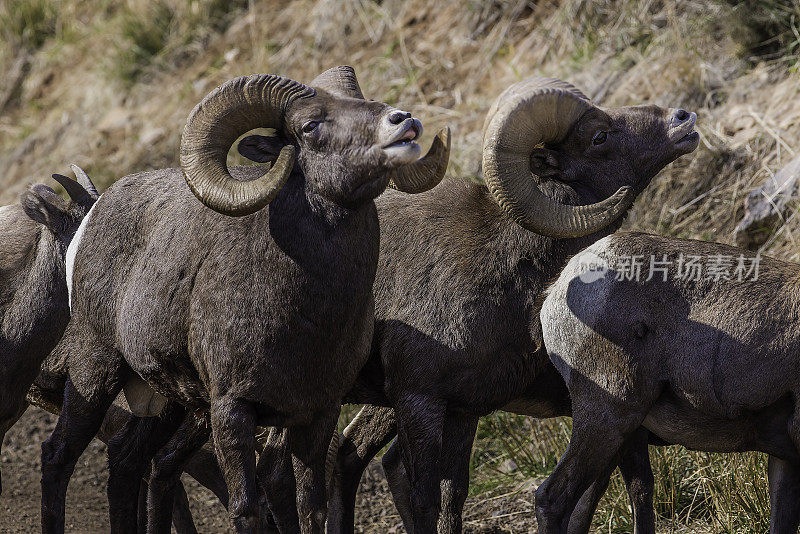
{"x": 34, "y": 235}
{"x": 457, "y": 333}
{"x": 708, "y": 361}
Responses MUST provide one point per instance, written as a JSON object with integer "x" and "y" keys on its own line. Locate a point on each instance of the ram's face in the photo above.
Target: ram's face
{"x": 347, "y": 145}
{"x": 611, "y": 148}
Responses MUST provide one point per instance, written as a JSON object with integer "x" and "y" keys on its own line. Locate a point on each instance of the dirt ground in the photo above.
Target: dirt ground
{"x": 87, "y": 510}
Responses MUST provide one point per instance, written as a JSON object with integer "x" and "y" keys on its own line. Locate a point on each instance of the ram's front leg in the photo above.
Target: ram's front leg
{"x": 309, "y": 448}
{"x": 233, "y": 427}
{"x": 129, "y": 453}
{"x": 457, "y": 439}
{"x": 276, "y": 476}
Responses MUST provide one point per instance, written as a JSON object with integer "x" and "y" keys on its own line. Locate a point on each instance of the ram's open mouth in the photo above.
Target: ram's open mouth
{"x": 691, "y": 137}
{"x": 406, "y": 136}
{"x": 684, "y": 133}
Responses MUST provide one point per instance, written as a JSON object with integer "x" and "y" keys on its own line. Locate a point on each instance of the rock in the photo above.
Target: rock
{"x": 230, "y": 55}
{"x": 151, "y": 135}
{"x": 118, "y": 118}
{"x": 767, "y": 205}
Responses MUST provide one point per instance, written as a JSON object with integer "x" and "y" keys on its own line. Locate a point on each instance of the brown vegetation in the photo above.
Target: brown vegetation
{"x": 108, "y": 85}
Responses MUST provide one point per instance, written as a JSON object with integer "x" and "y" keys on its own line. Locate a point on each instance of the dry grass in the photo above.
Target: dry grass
{"x": 110, "y": 85}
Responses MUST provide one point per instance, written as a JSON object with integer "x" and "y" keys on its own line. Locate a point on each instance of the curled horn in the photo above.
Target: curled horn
{"x": 426, "y": 172}
{"x": 529, "y": 113}
{"x": 228, "y": 111}
{"x": 339, "y": 81}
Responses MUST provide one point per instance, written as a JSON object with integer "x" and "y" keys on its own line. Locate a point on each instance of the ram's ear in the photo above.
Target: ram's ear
{"x": 545, "y": 163}
{"x": 44, "y": 206}
{"x": 260, "y": 148}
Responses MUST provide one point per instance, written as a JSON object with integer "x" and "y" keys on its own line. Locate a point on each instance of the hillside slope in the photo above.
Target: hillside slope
{"x": 108, "y": 85}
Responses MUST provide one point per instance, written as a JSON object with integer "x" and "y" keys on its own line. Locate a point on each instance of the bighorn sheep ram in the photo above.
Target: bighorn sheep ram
{"x": 462, "y": 269}
{"x": 261, "y": 319}
{"x": 34, "y": 236}
{"x": 705, "y": 357}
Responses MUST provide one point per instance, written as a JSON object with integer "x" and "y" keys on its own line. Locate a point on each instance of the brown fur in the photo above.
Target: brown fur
{"x": 709, "y": 364}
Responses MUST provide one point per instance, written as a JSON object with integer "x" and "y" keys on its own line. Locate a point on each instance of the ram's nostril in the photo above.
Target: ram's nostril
{"x": 681, "y": 115}
{"x": 396, "y": 117}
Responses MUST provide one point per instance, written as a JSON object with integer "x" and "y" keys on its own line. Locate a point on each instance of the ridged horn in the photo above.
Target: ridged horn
{"x": 426, "y": 172}
{"x": 339, "y": 81}
{"x": 531, "y": 112}
{"x": 233, "y": 108}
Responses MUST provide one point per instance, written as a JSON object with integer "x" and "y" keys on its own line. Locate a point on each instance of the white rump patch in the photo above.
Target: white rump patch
{"x": 72, "y": 251}
{"x": 143, "y": 401}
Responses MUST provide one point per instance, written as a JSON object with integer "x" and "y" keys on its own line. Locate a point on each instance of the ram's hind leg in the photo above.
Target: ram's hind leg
{"x": 129, "y": 455}
{"x": 784, "y": 483}
{"x": 784, "y": 496}
{"x": 634, "y": 463}
{"x": 638, "y": 475}
{"x": 371, "y": 430}
{"x": 77, "y": 425}
{"x": 168, "y": 464}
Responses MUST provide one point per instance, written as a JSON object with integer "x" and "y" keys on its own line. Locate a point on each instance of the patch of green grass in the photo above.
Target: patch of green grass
{"x": 154, "y": 32}
{"x": 144, "y": 35}
{"x": 767, "y": 27}
{"x": 27, "y": 23}
{"x": 724, "y": 492}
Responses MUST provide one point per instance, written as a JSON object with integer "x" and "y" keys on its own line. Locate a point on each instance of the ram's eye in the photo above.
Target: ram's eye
{"x": 599, "y": 138}
{"x": 310, "y": 126}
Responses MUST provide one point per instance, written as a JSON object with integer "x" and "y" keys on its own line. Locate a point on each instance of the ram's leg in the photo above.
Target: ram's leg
{"x": 371, "y": 430}
{"x": 168, "y": 465}
{"x": 399, "y": 485}
{"x": 181, "y": 514}
{"x": 276, "y": 474}
{"x": 784, "y": 496}
{"x": 141, "y": 509}
{"x": 233, "y": 427}
{"x": 419, "y": 430}
{"x": 457, "y": 438}
{"x": 204, "y": 468}
{"x": 129, "y": 455}
{"x": 599, "y": 430}
{"x": 309, "y": 448}
{"x": 634, "y": 464}
{"x": 79, "y": 421}
{"x": 638, "y": 475}
{"x": 580, "y": 521}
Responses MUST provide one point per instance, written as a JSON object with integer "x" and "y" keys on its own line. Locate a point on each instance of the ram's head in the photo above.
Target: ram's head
{"x": 347, "y": 148}
{"x": 547, "y": 147}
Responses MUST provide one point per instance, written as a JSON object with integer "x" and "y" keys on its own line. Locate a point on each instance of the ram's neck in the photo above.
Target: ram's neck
{"x": 319, "y": 234}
